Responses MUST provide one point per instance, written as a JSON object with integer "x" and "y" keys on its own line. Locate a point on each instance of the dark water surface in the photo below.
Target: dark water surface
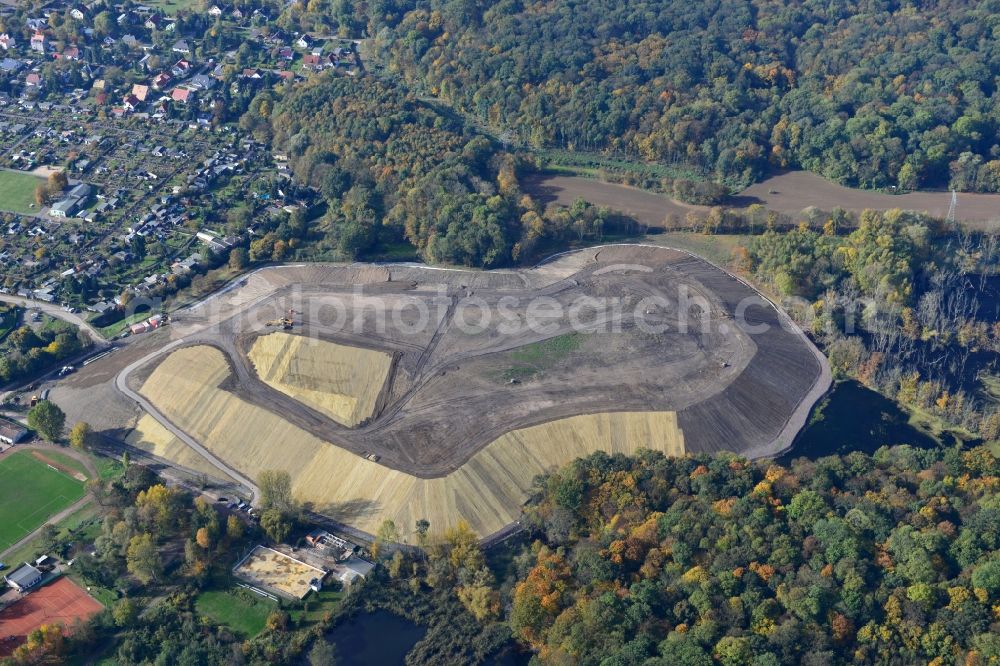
{"x": 855, "y": 418}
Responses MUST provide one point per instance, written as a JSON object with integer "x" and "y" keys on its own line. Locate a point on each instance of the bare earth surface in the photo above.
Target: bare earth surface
{"x": 713, "y": 364}
{"x": 789, "y": 193}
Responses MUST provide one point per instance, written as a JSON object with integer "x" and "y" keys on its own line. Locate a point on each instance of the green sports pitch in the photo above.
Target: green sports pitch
{"x": 31, "y": 492}
{"x": 17, "y": 191}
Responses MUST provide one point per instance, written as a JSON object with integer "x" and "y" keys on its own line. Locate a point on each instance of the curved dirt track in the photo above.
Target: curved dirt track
{"x": 732, "y": 390}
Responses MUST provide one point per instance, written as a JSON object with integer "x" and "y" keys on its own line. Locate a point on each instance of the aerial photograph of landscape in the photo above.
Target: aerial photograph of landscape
{"x": 500, "y": 333}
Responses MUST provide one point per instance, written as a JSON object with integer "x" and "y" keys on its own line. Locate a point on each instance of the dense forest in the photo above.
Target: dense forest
{"x": 891, "y": 558}
{"x": 393, "y": 169}
{"x": 869, "y": 93}
{"x": 902, "y": 303}
{"x": 24, "y": 350}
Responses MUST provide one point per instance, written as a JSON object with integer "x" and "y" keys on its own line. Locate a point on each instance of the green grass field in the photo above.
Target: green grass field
{"x": 540, "y": 356}
{"x": 246, "y": 614}
{"x": 31, "y": 492}
{"x": 17, "y": 191}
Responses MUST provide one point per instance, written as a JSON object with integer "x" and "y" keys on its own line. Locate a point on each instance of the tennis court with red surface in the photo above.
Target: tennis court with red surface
{"x": 60, "y": 602}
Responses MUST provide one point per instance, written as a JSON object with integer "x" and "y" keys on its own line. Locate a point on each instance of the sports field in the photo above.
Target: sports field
{"x": 60, "y": 602}
{"x": 30, "y": 492}
{"x": 17, "y": 191}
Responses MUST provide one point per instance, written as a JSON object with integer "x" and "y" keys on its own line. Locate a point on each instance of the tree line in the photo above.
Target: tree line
{"x": 871, "y": 94}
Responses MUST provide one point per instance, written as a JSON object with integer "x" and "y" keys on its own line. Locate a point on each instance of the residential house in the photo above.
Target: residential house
{"x": 181, "y": 68}
{"x": 131, "y": 102}
{"x": 140, "y": 92}
{"x": 33, "y": 79}
{"x": 181, "y": 46}
{"x": 154, "y": 22}
{"x": 69, "y": 53}
{"x": 7, "y": 42}
{"x": 182, "y": 95}
{"x": 161, "y": 81}
{"x": 186, "y": 266}
{"x": 201, "y": 82}
{"x": 304, "y": 42}
{"x": 38, "y": 42}
{"x": 215, "y": 10}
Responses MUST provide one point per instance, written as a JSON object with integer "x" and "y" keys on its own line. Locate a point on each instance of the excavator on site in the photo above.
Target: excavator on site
{"x": 285, "y": 322}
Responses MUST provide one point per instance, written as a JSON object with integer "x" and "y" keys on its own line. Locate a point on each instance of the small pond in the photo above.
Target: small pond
{"x": 855, "y": 418}
{"x": 375, "y": 638}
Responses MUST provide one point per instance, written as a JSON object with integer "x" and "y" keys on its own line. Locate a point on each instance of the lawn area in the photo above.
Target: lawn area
{"x": 717, "y": 248}
{"x": 170, "y": 7}
{"x": 243, "y": 612}
{"x": 30, "y": 492}
{"x": 108, "y": 468}
{"x": 17, "y": 191}
{"x": 68, "y": 461}
{"x": 81, "y": 525}
{"x": 317, "y": 605}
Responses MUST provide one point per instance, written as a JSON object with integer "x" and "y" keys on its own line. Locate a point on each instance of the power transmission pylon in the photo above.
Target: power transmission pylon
{"x": 951, "y": 209}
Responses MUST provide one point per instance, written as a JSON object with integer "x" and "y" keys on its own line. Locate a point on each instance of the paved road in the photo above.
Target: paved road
{"x": 121, "y": 383}
{"x": 56, "y": 311}
{"x": 79, "y": 504}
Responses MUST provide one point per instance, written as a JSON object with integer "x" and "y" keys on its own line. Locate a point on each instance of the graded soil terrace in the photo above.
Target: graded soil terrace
{"x": 487, "y": 491}
{"x": 686, "y": 358}
{"x": 342, "y": 382}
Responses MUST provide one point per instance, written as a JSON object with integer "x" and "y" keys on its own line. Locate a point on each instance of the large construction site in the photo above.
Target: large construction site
{"x": 407, "y": 392}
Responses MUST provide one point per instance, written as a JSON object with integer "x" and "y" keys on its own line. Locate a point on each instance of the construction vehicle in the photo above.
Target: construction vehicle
{"x": 284, "y": 323}
{"x": 34, "y": 400}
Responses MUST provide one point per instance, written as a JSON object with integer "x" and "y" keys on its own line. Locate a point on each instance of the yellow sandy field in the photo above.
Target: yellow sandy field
{"x": 150, "y": 436}
{"x": 342, "y": 382}
{"x": 271, "y": 569}
{"x": 487, "y": 491}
